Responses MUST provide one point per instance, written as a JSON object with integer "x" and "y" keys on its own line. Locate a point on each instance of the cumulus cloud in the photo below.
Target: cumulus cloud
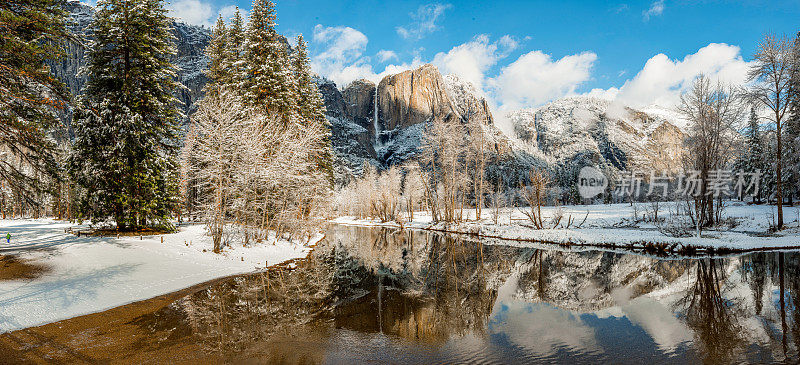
{"x": 471, "y": 60}
{"x": 662, "y": 80}
{"x": 535, "y": 78}
{"x": 423, "y": 21}
{"x": 199, "y": 12}
{"x": 228, "y": 11}
{"x": 342, "y": 43}
{"x": 385, "y": 55}
{"x": 340, "y": 56}
{"x": 194, "y": 12}
{"x": 656, "y": 9}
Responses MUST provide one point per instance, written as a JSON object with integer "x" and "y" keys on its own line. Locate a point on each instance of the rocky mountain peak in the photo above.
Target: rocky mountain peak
{"x": 601, "y": 132}
{"x": 468, "y": 101}
{"x": 414, "y": 96}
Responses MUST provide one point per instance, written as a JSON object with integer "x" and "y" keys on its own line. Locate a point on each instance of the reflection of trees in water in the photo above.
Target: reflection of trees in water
{"x": 347, "y": 285}
{"x": 793, "y": 284}
{"x": 431, "y": 287}
{"x": 776, "y": 276}
{"x": 754, "y": 271}
{"x": 423, "y": 286}
{"x": 713, "y": 318}
{"x": 231, "y": 315}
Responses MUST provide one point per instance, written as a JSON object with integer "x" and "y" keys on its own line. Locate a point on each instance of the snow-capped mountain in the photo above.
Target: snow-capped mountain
{"x": 601, "y": 132}
{"x": 383, "y": 124}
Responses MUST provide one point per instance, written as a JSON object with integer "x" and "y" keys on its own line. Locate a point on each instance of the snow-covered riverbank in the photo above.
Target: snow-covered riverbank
{"x": 613, "y": 225}
{"x": 84, "y": 274}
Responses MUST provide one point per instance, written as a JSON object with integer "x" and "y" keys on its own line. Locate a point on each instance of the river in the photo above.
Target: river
{"x": 378, "y": 295}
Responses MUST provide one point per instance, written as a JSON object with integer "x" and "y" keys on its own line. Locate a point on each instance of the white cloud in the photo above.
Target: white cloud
{"x": 423, "y": 21}
{"x": 662, "y": 80}
{"x": 199, "y": 12}
{"x": 342, "y": 59}
{"x": 384, "y": 55}
{"x": 507, "y": 44}
{"x": 228, "y": 11}
{"x": 471, "y": 60}
{"x": 656, "y": 9}
{"x": 343, "y": 44}
{"x": 194, "y": 12}
{"x": 535, "y": 78}
{"x": 608, "y": 94}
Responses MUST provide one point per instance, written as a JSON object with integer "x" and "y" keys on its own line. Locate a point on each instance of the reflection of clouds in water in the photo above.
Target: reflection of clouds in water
{"x": 654, "y": 318}
{"x": 542, "y": 328}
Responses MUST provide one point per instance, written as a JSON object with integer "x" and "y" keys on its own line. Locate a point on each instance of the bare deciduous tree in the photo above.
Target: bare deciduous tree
{"x": 772, "y": 72}
{"x": 444, "y": 158}
{"x": 534, "y": 194}
{"x": 253, "y": 173}
{"x": 714, "y": 111}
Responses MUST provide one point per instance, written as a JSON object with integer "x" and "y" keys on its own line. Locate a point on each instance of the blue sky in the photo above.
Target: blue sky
{"x": 525, "y": 53}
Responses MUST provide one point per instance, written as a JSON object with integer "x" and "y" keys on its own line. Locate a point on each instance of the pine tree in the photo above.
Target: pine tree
{"x": 217, "y": 53}
{"x": 310, "y": 106}
{"x": 234, "y": 60}
{"x": 31, "y": 32}
{"x": 268, "y": 79}
{"x": 126, "y": 129}
{"x": 791, "y": 131}
{"x": 754, "y": 157}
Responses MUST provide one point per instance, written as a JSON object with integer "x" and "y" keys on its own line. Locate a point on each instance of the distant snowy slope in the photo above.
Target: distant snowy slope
{"x": 600, "y": 132}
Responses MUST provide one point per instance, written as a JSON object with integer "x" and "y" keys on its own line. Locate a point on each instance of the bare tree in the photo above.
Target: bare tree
{"x": 254, "y": 173}
{"x": 714, "y": 112}
{"x": 210, "y": 153}
{"x": 497, "y": 201}
{"x": 444, "y": 157}
{"x": 479, "y": 156}
{"x": 772, "y": 72}
{"x": 534, "y": 194}
{"x": 413, "y": 188}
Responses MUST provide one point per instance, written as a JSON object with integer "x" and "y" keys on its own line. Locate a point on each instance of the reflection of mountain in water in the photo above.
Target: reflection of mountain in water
{"x": 416, "y": 297}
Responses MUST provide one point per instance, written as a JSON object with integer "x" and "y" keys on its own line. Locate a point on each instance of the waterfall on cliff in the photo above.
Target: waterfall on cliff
{"x": 375, "y": 115}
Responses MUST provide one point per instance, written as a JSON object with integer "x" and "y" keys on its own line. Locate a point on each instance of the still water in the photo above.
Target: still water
{"x": 374, "y": 295}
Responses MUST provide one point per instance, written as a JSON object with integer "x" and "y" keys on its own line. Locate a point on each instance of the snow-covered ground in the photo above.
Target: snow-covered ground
{"x": 613, "y": 224}
{"x": 89, "y": 274}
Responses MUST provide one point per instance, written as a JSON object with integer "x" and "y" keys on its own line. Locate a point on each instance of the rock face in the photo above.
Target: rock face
{"x": 190, "y": 59}
{"x": 352, "y": 142}
{"x": 406, "y": 103}
{"x": 359, "y": 104}
{"x": 602, "y": 133}
{"x": 413, "y": 97}
{"x": 191, "y": 42}
{"x": 466, "y": 100}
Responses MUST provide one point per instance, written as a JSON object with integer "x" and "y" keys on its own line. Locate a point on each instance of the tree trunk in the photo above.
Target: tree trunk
{"x": 779, "y": 184}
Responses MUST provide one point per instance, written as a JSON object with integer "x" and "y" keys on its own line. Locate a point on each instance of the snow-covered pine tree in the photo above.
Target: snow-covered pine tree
{"x": 310, "y": 106}
{"x": 217, "y": 53}
{"x": 31, "y": 32}
{"x": 791, "y": 131}
{"x": 126, "y": 129}
{"x": 234, "y": 60}
{"x": 268, "y": 77}
{"x": 753, "y": 158}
